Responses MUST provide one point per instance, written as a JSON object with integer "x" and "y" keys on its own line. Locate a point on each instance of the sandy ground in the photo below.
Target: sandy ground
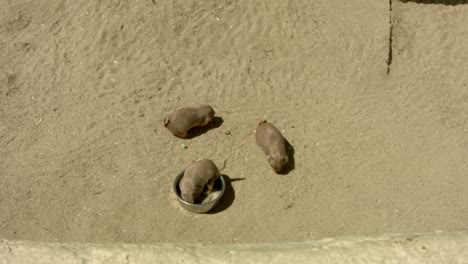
{"x": 380, "y": 134}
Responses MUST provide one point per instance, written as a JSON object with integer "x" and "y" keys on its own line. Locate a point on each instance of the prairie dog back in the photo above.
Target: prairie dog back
{"x": 273, "y": 144}
{"x": 197, "y": 176}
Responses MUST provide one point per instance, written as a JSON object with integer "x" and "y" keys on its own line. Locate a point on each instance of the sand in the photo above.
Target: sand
{"x": 374, "y": 101}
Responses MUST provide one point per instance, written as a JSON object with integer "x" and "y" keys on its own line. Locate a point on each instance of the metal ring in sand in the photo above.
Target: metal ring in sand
{"x": 203, "y": 207}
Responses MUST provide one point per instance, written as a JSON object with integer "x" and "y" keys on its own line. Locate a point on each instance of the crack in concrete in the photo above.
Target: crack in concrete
{"x": 390, "y": 38}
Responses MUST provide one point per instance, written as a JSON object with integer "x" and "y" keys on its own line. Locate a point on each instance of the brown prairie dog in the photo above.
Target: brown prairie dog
{"x": 272, "y": 142}
{"x": 197, "y": 176}
{"x": 182, "y": 120}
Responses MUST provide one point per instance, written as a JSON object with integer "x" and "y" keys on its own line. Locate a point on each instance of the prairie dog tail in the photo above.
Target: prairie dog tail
{"x": 224, "y": 165}
{"x": 166, "y": 121}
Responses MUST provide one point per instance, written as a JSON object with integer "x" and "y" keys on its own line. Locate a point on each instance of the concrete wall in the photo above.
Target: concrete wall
{"x": 437, "y": 247}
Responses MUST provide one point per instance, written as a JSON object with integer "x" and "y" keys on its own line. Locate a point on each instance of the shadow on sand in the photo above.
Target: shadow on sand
{"x": 291, "y": 162}
{"x": 228, "y": 197}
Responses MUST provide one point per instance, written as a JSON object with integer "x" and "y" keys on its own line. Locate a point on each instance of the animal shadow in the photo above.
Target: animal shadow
{"x": 228, "y": 197}
{"x": 198, "y": 131}
{"x": 291, "y": 165}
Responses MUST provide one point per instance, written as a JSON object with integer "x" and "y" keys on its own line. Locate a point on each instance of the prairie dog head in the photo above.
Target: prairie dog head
{"x": 207, "y": 113}
{"x": 278, "y": 161}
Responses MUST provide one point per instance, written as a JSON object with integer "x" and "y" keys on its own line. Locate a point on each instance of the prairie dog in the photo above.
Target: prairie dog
{"x": 272, "y": 142}
{"x": 197, "y": 176}
{"x": 182, "y": 120}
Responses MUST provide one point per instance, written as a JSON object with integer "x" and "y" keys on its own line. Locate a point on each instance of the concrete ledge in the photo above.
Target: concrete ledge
{"x": 437, "y": 247}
